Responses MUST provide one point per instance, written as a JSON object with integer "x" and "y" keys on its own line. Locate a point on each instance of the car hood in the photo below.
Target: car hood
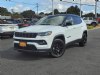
{"x": 8, "y": 24}
{"x": 39, "y": 28}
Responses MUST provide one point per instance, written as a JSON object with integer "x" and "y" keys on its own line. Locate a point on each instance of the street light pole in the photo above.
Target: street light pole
{"x": 8, "y": 0}
{"x": 37, "y": 5}
{"x": 80, "y": 9}
{"x": 96, "y": 8}
{"x": 52, "y": 8}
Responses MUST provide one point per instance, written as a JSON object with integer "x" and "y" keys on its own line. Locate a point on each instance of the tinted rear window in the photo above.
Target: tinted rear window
{"x": 77, "y": 20}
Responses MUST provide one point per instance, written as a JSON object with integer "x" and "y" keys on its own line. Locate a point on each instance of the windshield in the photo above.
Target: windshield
{"x": 51, "y": 20}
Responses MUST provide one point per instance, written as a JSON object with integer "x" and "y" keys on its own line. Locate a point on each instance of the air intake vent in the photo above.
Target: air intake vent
{"x": 26, "y": 35}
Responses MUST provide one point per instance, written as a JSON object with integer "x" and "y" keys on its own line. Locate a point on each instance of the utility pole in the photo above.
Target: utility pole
{"x": 8, "y": 0}
{"x": 80, "y": 9}
{"x": 37, "y": 5}
{"x": 12, "y": 11}
{"x": 96, "y": 8}
{"x": 52, "y": 8}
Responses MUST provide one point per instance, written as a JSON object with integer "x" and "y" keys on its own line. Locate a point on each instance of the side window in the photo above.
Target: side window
{"x": 85, "y": 18}
{"x": 69, "y": 21}
{"x": 90, "y": 18}
{"x": 77, "y": 20}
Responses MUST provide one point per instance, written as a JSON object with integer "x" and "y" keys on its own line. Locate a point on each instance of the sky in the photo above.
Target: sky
{"x": 46, "y": 5}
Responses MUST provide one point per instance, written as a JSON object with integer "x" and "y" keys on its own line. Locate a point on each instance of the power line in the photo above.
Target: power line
{"x": 81, "y": 4}
{"x": 37, "y": 5}
{"x": 78, "y": 3}
{"x": 22, "y": 2}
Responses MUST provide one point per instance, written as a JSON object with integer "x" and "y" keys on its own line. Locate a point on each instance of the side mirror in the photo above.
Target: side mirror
{"x": 68, "y": 23}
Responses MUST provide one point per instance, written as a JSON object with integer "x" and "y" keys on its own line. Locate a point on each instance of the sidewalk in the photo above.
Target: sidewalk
{"x": 97, "y": 27}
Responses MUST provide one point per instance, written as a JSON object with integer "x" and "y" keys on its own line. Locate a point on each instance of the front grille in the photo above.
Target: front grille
{"x": 28, "y": 47}
{"x": 26, "y": 35}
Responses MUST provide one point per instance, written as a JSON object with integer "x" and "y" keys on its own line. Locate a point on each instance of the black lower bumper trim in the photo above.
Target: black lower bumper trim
{"x": 39, "y": 50}
{"x": 29, "y": 48}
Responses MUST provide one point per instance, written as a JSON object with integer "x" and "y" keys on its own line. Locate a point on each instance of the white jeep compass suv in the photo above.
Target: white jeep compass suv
{"x": 51, "y": 34}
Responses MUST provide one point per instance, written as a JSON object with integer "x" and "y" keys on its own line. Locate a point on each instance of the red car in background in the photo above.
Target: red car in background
{"x": 20, "y": 23}
{"x": 27, "y": 22}
{"x": 98, "y": 19}
{"x": 24, "y": 23}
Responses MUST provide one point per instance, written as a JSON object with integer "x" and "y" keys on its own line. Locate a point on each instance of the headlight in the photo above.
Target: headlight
{"x": 45, "y": 33}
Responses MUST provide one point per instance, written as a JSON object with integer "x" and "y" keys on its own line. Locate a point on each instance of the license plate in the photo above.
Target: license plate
{"x": 22, "y": 44}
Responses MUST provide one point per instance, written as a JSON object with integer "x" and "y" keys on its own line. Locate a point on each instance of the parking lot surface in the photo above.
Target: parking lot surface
{"x": 76, "y": 60}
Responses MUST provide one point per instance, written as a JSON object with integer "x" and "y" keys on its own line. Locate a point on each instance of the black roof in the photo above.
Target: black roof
{"x": 64, "y": 15}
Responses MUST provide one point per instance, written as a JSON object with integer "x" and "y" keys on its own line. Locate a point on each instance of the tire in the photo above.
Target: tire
{"x": 1, "y": 37}
{"x": 58, "y": 48}
{"x": 94, "y": 24}
{"x": 83, "y": 41}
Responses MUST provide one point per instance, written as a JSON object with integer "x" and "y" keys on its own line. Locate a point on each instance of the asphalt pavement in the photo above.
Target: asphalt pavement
{"x": 76, "y": 60}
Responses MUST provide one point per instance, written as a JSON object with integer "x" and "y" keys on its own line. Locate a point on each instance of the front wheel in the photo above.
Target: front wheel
{"x": 83, "y": 41}
{"x": 58, "y": 48}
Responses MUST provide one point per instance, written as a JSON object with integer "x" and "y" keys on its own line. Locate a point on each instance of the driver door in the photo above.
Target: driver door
{"x": 69, "y": 30}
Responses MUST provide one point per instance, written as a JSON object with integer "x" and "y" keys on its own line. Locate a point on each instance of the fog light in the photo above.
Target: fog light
{"x": 42, "y": 42}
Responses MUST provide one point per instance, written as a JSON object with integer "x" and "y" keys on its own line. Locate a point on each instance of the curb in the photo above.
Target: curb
{"x": 94, "y": 29}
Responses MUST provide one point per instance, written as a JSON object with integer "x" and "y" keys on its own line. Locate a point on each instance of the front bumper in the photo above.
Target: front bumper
{"x": 39, "y": 44}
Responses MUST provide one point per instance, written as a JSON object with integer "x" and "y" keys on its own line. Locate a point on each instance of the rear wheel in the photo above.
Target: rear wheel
{"x": 1, "y": 37}
{"x": 58, "y": 48}
{"x": 94, "y": 24}
{"x": 83, "y": 41}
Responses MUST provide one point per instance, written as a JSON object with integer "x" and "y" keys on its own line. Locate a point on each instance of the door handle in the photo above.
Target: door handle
{"x": 68, "y": 36}
{"x": 74, "y": 28}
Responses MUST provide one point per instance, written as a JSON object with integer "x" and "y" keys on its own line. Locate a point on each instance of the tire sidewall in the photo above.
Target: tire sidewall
{"x": 94, "y": 24}
{"x": 82, "y": 40}
{"x": 56, "y": 40}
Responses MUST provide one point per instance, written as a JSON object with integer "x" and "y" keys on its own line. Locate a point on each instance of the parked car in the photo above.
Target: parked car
{"x": 24, "y": 24}
{"x": 51, "y": 34}
{"x": 27, "y": 22}
{"x": 20, "y": 23}
{"x": 34, "y": 21}
{"x": 90, "y": 21}
{"x": 7, "y": 29}
{"x": 13, "y": 21}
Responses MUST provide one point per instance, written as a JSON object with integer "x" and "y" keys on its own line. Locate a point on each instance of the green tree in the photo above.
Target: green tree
{"x": 4, "y": 11}
{"x": 73, "y": 10}
{"x": 28, "y": 14}
{"x": 16, "y": 15}
{"x": 56, "y": 11}
{"x": 89, "y": 15}
{"x": 41, "y": 13}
